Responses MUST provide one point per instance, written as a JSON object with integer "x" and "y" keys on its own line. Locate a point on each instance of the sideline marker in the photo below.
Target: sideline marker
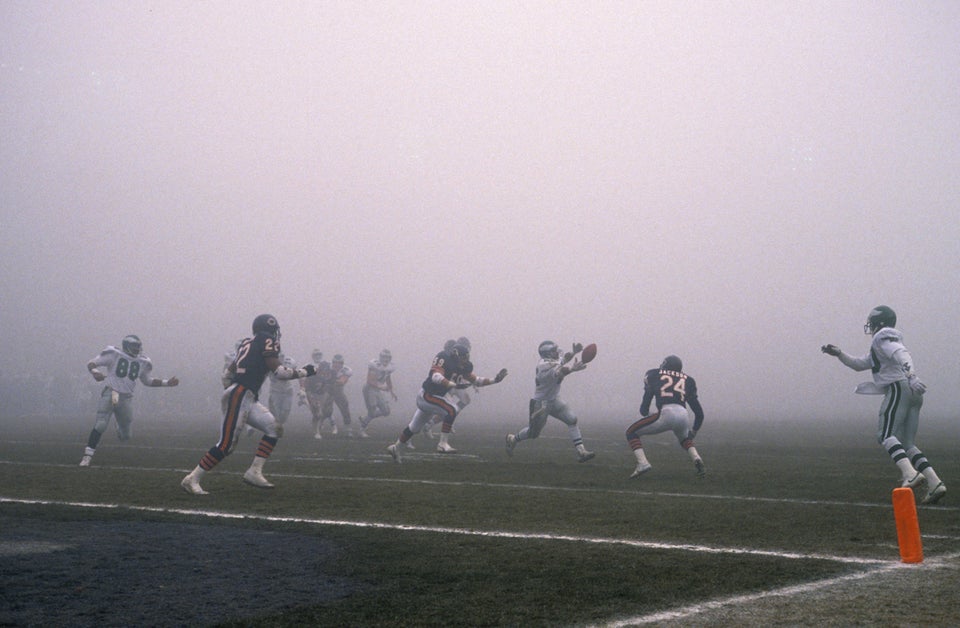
{"x": 908, "y": 526}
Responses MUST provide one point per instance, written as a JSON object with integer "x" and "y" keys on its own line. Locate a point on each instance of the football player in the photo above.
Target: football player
{"x": 449, "y": 370}
{"x": 280, "y": 401}
{"x": 241, "y": 405}
{"x": 546, "y": 402}
{"x": 121, "y": 369}
{"x": 379, "y": 383}
{"x": 673, "y": 390}
{"x": 335, "y": 379}
{"x": 313, "y": 389}
{"x": 461, "y": 395}
{"x": 894, "y": 378}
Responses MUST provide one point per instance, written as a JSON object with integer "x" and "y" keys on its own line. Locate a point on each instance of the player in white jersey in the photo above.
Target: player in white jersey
{"x": 335, "y": 380}
{"x": 546, "y": 402}
{"x": 379, "y": 383}
{"x": 120, "y": 369}
{"x": 895, "y": 379}
{"x": 281, "y": 391}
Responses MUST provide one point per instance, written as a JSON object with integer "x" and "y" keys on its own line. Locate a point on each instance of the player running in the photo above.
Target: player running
{"x": 450, "y": 369}
{"x": 256, "y": 357}
{"x": 121, "y": 369}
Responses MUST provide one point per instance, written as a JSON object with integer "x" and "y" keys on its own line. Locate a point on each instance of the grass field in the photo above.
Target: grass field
{"x": 790, "y": 527}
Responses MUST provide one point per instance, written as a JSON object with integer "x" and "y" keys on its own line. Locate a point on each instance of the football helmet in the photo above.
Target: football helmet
{"x": 132, "y": 345}
{"x": 449, "y": 344}
{"x": 338, "y": 359}
{"x": 385, "y": 356}
{"x": 316, "y": 356}
{"x": 267, "y": 324}
{"x": 878, "y": 318}
{"x": 672, "y": 363}
{"x": 463, "y": 340}
{"x": 549, "y": 349}
{"x": 460, "y": 352}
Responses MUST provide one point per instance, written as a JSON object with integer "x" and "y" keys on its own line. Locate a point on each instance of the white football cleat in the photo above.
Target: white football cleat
{"x": 363, "y": 433}
{"x": 585, "y": 455}
{"x": 914, "y": 482}
{"x": 395, "y": 452}
{"x": 409, "y": 444}
{"x": 318, "y": 436}
{"x": 511, "y": 443}
{"x": 190, "y": 485}
{"x": 935, "y": 494}
{"x": 333, "y": 429}
{"x": 85, "y": 461}
{"x": 641, "y": 469}
{"x": 445, "y": 448}
{"x": 254, "y": 477}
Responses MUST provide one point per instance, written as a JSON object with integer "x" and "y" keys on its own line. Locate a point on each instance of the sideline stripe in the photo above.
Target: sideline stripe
{"x": 531, "y": 487}
{"x": 503, "y": 534}
{"x": 798, "y": 589}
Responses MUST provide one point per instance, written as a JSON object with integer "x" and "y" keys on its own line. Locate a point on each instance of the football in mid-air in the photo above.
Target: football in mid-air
{"x": 589, "y": 353}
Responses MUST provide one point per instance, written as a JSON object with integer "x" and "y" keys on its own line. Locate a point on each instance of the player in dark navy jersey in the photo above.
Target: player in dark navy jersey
{"x": 256, "y": 358}
{"x": 673, "y": 391}
{"x": 451, "y": 369}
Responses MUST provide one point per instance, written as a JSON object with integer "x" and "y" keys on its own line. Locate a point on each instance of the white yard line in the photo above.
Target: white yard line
{"x": 504, "y": 534}
{"x": 781, "y": 592}
{"x": 531, "y": 487}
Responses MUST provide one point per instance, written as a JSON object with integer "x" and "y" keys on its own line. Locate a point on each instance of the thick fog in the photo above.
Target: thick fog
{"x": 733, "y": 182}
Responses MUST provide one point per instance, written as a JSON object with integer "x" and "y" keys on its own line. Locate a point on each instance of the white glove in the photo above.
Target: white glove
{"x": 916, "y": 385}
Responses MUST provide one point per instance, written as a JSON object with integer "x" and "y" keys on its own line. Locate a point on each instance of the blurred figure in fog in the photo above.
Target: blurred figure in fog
{"x": 336, "y": 378}
{"x": 313, "y": 390}
{"x": 121, "y": 369}
{"x": 281, "y": 391}
{"x": 379, "y": 383}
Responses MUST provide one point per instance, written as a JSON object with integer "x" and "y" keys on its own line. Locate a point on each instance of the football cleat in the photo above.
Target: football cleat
{"x": 935, "y": 494}
{"x": 641, "y": 469}
{"x": 333, "y": 429}
{"x": 445, "y": 448}
{"x": 915, "y": 481}
{"x": 363, "y": 433}
{"x": 190, "y": 485}
{"x": 701, "y": 469}
{"x": 254, "y": 477}
{"x": 318, "y": 436}
{"x": 585, "y": 455}
{"x": 85, "y": 461}
{"x": 511, "y": 443}
{"x": 395, "y": 452}
{"x": 409, "y": 444}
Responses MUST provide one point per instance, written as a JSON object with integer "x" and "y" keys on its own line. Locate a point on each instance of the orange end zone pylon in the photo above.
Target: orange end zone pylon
{"x": 908, "y": 526}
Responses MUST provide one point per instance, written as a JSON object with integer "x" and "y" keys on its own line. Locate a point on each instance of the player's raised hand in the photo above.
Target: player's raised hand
{"x": 173, "y": 381}
{"x": 833, "y": 350}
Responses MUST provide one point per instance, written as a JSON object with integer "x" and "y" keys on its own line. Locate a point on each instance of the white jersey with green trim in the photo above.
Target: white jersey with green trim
{"x": 123, "y": 370}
